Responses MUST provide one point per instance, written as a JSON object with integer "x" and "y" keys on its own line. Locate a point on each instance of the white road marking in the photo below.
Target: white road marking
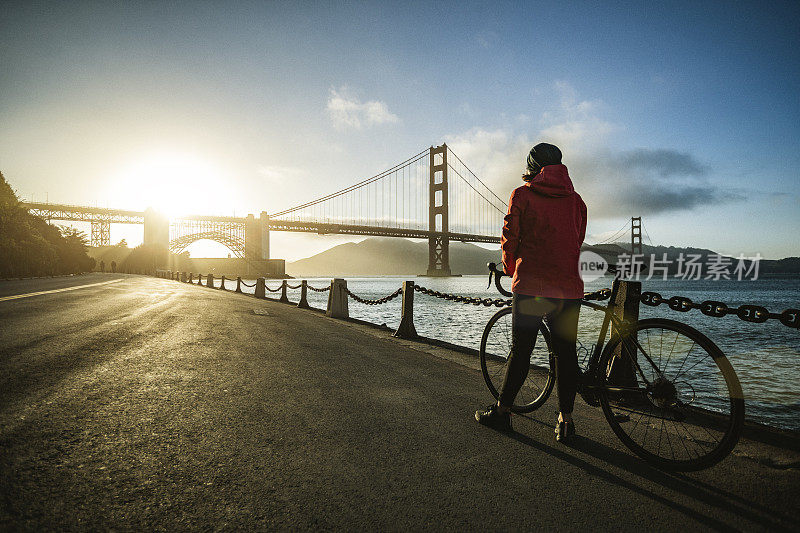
{"x": 15, "y": 296}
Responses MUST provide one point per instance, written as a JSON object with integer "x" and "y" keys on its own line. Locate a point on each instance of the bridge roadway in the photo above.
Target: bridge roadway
{"x": 148, "y": 404}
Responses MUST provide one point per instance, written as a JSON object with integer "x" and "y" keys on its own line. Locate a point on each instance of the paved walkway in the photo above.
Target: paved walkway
{"x": 150, "y": 404}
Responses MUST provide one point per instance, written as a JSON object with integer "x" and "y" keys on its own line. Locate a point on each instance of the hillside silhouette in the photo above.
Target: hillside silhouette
{"x": 29, "y": 246}
{"x": 390, "y": 256}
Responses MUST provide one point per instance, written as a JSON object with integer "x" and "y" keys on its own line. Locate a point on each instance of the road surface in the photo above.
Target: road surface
{"x": 149, "y": 404}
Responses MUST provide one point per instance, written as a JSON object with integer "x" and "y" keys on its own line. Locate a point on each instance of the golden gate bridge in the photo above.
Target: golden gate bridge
{"x": 431, "y": 195}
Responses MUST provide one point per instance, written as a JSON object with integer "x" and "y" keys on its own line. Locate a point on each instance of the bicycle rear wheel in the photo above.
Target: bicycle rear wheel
{"x": 680, "y": 406}
{"x": 495, "y": 347}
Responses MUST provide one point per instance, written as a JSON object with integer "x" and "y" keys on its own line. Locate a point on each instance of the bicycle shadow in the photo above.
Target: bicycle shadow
{"x": 698, "y": 490}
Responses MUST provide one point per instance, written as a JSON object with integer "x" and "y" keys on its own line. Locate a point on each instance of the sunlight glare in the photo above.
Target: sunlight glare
{"x": 173, "y": 183}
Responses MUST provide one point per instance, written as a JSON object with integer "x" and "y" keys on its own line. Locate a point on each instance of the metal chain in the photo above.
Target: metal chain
{"x": 271, "y": 290}
{"x": 749, "y": 313}
{"x": 487, "y": 302}
{"x": 602, "y": 294}
{"x": 380, "y": 301}
{"x": 293, "y": 287}
{"x": 248, "y": 284}
{"x": 323, "y": 289}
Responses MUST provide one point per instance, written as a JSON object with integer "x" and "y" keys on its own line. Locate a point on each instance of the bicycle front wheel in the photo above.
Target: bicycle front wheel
{"x": 670, "y": 395}
{"x": 495, "y": 348}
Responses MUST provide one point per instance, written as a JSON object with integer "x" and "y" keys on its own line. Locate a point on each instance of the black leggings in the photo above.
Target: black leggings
{"x": 561, "y": 317}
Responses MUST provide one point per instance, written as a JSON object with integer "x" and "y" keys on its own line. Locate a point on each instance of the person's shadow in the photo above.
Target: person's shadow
{"x": 700, "y": 491}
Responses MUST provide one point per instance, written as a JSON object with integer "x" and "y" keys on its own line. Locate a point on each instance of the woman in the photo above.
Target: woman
{"x": 542, "y": 236}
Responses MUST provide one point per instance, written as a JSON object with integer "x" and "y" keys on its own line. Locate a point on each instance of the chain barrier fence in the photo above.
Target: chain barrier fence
{"x": 487, "y": 302}
{"x": 323, "y": 289}
{"x": 756, "y": 314}
{"x": 749, "y": 313}
{"x": 602, "y": 294}
{"x": 379, "y": 301}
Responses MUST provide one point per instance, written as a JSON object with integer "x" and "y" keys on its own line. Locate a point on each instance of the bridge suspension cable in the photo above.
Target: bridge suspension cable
{"x": 399, "y": 200}
{"x": 474, "y": 207}
{"x": 377, "y": 177}
{"x": 616, "y": 235}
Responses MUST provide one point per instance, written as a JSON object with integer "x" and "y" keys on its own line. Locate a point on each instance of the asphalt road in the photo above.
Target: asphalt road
{"x": 149, "y": 404}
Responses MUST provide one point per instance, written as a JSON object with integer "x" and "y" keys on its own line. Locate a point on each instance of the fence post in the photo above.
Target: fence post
{"x": 406, "y": 329}
{"x": 191, "y": 275}
{"x": 625, "y": 297}
{"x": 210, "y": 281}
{"x": 337, "y": 299}
{"x": 222, "y": 283}
{"x": 284, "y": 296}
{"x": 183, "y": 276}
{"x": 303, "y": 303}
{"x": 238, "y": 283}
{"x": 261, "y": 292}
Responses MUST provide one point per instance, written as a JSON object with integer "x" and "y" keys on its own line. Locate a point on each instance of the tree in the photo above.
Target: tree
{"x": 29, "y": 246}
{"x": 145, "y": 258}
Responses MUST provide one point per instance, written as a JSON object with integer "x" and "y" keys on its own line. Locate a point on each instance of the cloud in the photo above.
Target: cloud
{"x": 346, "y": 111}
{"x": 645, "y": 182}
{"x": 496, "y": 156}
{"x": 614, "y": 183}
{"x": 575, "y": 124}
{"x": 666, "y": 163}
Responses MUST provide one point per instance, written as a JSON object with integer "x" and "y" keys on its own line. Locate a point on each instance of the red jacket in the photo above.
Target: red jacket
{"x": 542, "y": 236}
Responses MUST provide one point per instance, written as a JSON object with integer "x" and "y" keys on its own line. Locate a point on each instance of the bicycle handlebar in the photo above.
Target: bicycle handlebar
{"x": 497, "y": 274}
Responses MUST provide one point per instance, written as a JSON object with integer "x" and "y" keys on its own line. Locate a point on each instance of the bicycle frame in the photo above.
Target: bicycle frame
{"x": 609, "y": 318}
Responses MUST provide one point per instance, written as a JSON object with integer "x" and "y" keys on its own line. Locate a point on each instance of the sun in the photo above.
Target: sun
{"x": 174, "y": 183}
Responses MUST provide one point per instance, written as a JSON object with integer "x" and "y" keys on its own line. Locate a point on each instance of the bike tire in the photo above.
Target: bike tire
{"x": 721, "y": 414}
{"x": 539, "y": 383}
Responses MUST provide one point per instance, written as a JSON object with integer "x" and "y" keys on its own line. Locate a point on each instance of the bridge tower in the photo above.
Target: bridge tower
{"x": 256, "y": 244}
{"x": 439, "y": 244}
{"x": 256, "y": 237}
{"x": 264, "y": 220}
{"x": 636, "y": 235}
{"x": 101, "y": 231}
{"x": 156, "y": 228}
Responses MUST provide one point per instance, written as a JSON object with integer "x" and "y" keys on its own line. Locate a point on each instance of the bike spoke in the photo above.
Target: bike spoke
{"x": 684, "y": 360}
{"x": 683, "y": 411}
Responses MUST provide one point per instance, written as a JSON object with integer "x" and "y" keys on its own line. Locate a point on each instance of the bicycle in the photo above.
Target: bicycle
{"x": 691, "y": 408}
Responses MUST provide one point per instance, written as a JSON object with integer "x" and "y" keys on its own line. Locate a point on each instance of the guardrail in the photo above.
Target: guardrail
{"x": 626, "y": 294}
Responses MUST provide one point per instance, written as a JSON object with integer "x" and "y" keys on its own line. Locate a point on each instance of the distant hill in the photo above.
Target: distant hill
{"x": 391, "y": 256}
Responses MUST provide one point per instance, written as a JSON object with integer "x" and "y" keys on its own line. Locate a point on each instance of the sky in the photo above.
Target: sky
{"x": 686, "y": 114}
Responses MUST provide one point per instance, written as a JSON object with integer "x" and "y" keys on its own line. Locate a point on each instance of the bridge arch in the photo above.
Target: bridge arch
{"x": 233, "y": 243}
